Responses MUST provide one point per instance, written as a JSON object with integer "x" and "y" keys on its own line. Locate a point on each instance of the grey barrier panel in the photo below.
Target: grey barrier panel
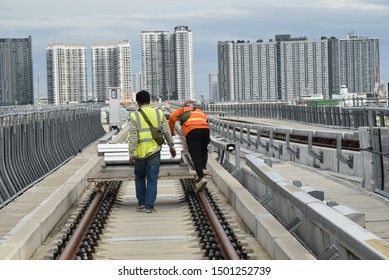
{"x": 10, "y": 155}
{"x": 329, "y": 116}
{"x": 30, "y": 174}
{"x": 82, "y": 124}
{"x": 5, "y": 194}
{"x": 8, "y": 188}
{"x": 77, "y": 130}
{"x": 49, "y": 155}
{"x": 34, "y": 146}
{"x": 38, "y": 140}
{"x": 42, "y": 146}
{"x": 52, "y": 142}
{"x": 320, "y": 114}
{"x": 18, "y": 161}
{"x": 29, "y": 142}
{"x": 72, "y": 131}
{"x": 352, "y": 236}
{"x": 58, "y": 135}
{"x": 13, "y": 160}
{"x": 346, "y": 118}
{"x": 336, "y": 115}
{"x": 68, "y": 131}
{"x": 255, "y": 110}
{"x": 313, "y": 114}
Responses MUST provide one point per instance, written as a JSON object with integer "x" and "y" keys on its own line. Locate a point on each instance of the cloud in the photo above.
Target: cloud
{"x": 354, "y": 5}
{"x": 86, "y": 22}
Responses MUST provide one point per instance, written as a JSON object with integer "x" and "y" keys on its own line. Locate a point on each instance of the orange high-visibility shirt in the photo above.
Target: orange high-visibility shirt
{"x": 197, "y": 119}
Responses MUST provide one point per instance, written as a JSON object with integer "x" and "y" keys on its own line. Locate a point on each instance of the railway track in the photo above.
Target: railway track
{"x": 185, "y": 226}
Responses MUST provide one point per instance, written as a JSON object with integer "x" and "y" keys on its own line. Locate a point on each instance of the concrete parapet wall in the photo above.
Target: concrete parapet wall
{"x": 277, "y": 241}
{"x": 327, "y": 232}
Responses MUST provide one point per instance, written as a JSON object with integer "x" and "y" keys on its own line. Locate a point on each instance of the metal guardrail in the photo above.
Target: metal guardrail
{"x": 33, "y": 143}
{"x": 329, "y": 115}
{"x": 223, "y": 149}
{"x": 249, "y": 136}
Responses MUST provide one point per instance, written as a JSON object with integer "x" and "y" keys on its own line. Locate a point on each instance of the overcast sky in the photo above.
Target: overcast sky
{"x": 90, "y": 21}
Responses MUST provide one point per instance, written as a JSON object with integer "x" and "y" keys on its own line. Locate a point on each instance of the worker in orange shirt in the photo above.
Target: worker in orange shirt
{"x": 195, "y": 129}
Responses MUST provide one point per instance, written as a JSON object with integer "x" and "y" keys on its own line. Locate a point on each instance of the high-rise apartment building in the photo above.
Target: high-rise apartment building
{"x": 225, "y": 71}
{"x": 167, "y": 63}
{"x": 16, "y": 71}
{"x": 213, "y": 87}
{"x": 182, "y": 53}
{"x": 156, "y": 64}
{"x": 137, "y": 82}
{"x": 290, "y": 68}
{"x": 359, "y": 64}
{"x": 111, "y": 67}
{"x": 303, "y": 68}
{"x": 66, "y": 73}
{"x": 247, "y": 71}
{"x": 333, "y": 67}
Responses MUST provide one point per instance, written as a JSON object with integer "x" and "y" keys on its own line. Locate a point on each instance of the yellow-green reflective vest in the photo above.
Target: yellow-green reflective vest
{"x": 146, "y": 145}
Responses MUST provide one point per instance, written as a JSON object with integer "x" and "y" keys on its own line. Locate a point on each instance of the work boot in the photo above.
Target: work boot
{"x": 200, "y": 185}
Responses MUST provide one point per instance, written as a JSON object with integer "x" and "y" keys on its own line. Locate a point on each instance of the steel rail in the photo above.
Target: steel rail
{"x": 70, "y": 250}
{"x": 226, "y": 247}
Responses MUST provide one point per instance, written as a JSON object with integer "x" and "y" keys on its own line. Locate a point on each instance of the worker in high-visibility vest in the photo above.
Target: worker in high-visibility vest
{"x": 144, "y": 152}
{"x": 195, "y": 129}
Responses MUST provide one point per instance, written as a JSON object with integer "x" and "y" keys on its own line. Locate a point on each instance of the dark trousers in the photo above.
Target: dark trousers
{"x": 197, "y": 141}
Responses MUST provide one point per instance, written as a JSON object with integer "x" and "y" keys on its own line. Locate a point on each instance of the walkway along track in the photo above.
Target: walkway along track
{"x": 186, "y": 225}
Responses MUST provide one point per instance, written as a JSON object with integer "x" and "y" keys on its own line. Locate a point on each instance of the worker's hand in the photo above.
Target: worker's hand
{"x": 173, "y": 152}
{"x": 132, "y": 159}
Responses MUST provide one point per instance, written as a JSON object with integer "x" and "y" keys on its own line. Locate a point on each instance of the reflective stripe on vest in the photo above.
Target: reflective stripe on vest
{"x": 197, "y": 117}
{"x": 143, "y": 127}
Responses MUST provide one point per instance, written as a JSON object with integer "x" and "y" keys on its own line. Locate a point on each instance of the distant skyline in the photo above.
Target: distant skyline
{"x": 85, "y": 22}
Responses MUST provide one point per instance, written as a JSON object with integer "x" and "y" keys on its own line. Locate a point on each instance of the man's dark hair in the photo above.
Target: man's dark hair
{"x": 143, "y": 97}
